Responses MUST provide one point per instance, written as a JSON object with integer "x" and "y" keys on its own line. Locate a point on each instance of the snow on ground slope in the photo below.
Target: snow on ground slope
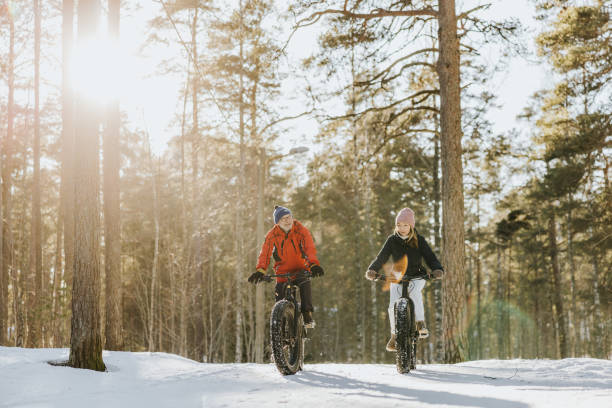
{"x": 165, "y": 380}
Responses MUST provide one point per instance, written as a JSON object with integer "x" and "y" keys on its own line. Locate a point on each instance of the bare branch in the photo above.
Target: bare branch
{"x": 376, "y": 13}
{"x": 286, "y": 118}
{"x": 382, "y": 108}
{"x": 397, "y": 62}
{"x": 467, "y": 13}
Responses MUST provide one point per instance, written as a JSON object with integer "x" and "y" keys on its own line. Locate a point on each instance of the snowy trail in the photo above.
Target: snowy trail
{"x": 165, "y": 380}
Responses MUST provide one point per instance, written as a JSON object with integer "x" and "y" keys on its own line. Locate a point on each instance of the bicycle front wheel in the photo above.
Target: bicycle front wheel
{"x": 403, "y": 328}
{"x": 286, "y": 337}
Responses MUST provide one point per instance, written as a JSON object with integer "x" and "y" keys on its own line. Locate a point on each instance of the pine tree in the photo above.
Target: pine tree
{"x": 86, "y": 338}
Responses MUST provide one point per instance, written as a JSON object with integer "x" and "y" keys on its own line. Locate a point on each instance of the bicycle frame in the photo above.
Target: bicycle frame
{"x": 290, "y": 292}
{"x": 405, "y": 363}
{"x": 283, "y": 329}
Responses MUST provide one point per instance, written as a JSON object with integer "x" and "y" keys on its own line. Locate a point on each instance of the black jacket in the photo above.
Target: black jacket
{"x": 397, "y": 247}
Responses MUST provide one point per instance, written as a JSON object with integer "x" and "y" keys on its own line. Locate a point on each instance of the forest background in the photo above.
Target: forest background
{"x": 149, "y": 247}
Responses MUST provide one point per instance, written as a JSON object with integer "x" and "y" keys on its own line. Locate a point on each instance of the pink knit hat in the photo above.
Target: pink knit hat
{"x": 405, "y": 215}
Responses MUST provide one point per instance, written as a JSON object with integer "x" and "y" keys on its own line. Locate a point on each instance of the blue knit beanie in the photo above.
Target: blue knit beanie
{"x": 280, "y": 212}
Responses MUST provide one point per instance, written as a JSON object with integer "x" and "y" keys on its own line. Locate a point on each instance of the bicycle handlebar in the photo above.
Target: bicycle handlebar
{"x": 383, "y": 277}
{"x": 304, "y": 273}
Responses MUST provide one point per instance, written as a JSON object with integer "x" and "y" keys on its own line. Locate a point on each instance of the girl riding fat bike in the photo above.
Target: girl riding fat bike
{"x": 407, "y": 248}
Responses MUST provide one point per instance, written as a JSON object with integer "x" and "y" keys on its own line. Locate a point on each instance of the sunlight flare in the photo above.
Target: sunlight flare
{"x": 96, "y": 69}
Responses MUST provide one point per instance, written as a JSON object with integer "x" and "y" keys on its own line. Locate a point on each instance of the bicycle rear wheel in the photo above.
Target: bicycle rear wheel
{"x": 404, "y": 329}
{"x": 286, "y": 340}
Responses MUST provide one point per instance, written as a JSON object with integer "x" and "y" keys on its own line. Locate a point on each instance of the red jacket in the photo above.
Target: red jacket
{"x": 293, "y": 251}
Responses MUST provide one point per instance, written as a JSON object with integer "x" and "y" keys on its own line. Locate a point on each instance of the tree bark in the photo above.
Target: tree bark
{"x": 155, "y": 253}
{"x": 260, "y": 323}
{"x": 572, "y": 267}
{"x": 86, "y": 338}
{"x": 3, "y": 275}
{"x": 198, "y": 233}
{"x": 599, "y": 349}
{"x": 240, "y": 241}
{"x": 478, "y": 284}
{"x": 184, "y": 240}
{"x": 439, "y": 312}
{"x": 55, "y": 331}
{"x": 452, "y": 183}
{"x": 499, "y": 302}
{"x": 112, "y": 221}
{"x": 556, "y": 274}
{"x": 67, "y": 199}
{"x": 7, "y": 225}
{"x": 35, "y": 294}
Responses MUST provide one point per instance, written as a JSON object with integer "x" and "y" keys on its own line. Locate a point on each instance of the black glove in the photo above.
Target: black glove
{"x": 256, "y": 277}
{"x": 316, "y": 270}
{"x": 436, "y": 274}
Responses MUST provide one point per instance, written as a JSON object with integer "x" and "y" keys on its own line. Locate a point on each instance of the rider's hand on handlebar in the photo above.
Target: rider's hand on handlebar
{"x": 257, "y": 277}
{"x": 436, "y": 274}
{"x": 371, "y": 275}
{"x": 316, "y": 270}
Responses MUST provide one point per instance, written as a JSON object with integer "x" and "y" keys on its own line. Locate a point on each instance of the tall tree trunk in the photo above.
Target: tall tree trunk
{"x": 240, "y": 213}
{"x": 572, "y": 267}
{"x": 198, "y": 232}
{"x": 35, "y": 295}
{"x": 55, "y": 331}
{"x": 556, "y": 272}
{"x": 7, "y": 225}
{"x": 67, "y": 197}
{"x": 3, "y": 275}
{"x": 260, "y": 323}
{"x": 499, "y": 302}
{"x": 452, "y": 183}
{"x": 507, "y": 336}
{"x": 86, "y": 338}
{"x": 439, "y": 312}
{"x": 478, "y": 284}
{"x": 155, "y": 252}
{"x": 184, "y": 265}
{"x": 112, "y": 224}
{"x": 370, "y": 239}
{"x": 599, "y": 349}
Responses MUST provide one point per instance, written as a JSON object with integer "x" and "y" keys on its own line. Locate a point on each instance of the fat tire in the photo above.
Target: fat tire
{"x": 287, "y": 348}
{"x": 403, "y": 328}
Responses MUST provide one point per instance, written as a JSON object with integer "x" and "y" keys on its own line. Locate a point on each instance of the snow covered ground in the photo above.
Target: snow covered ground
{"x": 165, "y": 380}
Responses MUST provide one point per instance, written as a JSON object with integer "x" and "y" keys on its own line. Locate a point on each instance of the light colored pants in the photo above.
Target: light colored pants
{"x": 414, "y": 292}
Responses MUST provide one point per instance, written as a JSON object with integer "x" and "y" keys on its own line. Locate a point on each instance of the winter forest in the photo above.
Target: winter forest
{"x": 121, "y": 233}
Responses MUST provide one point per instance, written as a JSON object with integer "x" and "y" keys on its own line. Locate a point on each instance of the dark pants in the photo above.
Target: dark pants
{"x": 305, "y": 292}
